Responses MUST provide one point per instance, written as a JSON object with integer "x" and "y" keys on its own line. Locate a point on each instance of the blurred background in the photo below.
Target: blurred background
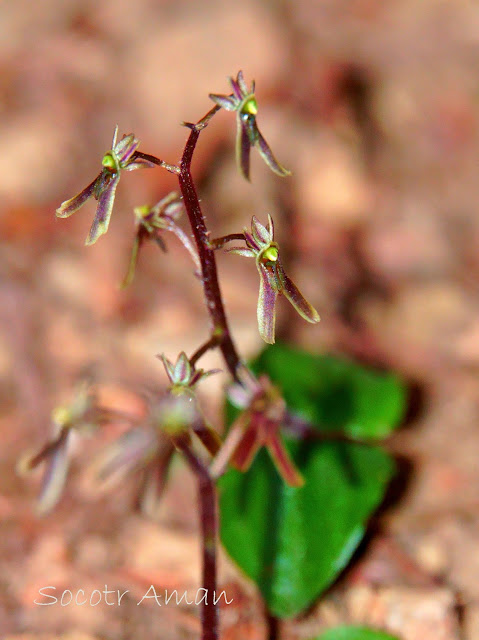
{"x": 374, "y": 107}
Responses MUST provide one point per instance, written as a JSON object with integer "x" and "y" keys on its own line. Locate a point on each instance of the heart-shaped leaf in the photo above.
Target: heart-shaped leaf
{"x": 354, "y": 633}
{"x": 334, "y": 393}
{"x": 293, "y": 542}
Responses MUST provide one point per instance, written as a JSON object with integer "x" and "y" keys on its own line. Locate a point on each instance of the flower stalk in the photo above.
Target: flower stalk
{"x": 209, "y": 272}
{"x": 209, "y": 535}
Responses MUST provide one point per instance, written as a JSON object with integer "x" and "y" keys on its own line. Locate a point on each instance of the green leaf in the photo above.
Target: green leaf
{"x": 335, "y": 393}
{"x": 354, "y": 633}
{"x": 294, "y": 542}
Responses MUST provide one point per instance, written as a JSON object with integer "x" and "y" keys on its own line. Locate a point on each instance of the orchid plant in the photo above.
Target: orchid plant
{"x": 175, "y": 421}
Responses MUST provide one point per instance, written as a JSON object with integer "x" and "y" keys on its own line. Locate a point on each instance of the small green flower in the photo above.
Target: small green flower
{"x": 81, "y": 416}
{"x": 273, "y": 280}
{"x": 243, "y": 101}
{"x": 183, "y": 375}
{"x": 171, "y": 422}
{"x": 185, "y": 413}
{"x": 151, "y": 221}
{"x": 121, "y": 157}
{"x": 259, "y": 425}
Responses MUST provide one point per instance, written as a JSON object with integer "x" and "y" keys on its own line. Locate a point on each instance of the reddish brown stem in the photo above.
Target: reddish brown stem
{"x": 209, "y": 344}
{"x": 209, "y": 534}
{"x": 218, "y": 243}
{"x": 214, "y": 301}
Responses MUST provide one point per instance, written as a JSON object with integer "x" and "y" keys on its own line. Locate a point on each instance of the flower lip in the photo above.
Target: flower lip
{"x": 110, "y": 161}
{"x": 270, "y": 253}
{"x": 249, "y": 106}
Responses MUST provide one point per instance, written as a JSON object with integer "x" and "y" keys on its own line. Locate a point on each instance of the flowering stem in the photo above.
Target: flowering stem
{"x": 218, "y": 243}
{"x": 172, "y": 168}
{"x": 209, "y": 533}
{"x": 206, "y": 346}
{"x": 214, "y": 301}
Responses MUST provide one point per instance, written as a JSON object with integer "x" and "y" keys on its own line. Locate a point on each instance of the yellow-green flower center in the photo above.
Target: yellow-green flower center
{"x": 61, "y": 416}
{"x": 142, "y": 212}
{"x": 109, "y": 161}
{"x": 271, "y": 254}
{"x": 250, "y": 106}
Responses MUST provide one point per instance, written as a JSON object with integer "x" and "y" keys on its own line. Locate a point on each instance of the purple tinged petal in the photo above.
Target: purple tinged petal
{"x": 186, "y": 242}
{"x": 250, "y": 241}
{"x": 241, "y": 251}
{"x": 266, "y": 310}
{"x": 207, "y": 436}
{"x": 174, "y": 209}
{"x": 183, "y": 370}
{"x": 55, "y": 475}
{"x": 267, "y": 155}
{"x": 156, "y": 477}
{"x": 294, "y": 295}
{"x": 140, "y": 237}
{"x": 226, "y": 102}
{"x": 270, "y": 227}
{"x": 169, "y": 368}
{"x": 260, "y": 233}
{"x": 160, "y": 242}
{"x": 139, "y": 163}
{"x": 243, "y": 147}
{"x": 247, "y": 448}
{"x": 241, "y": 83}
{"x": 236, "y": 89}
{"x": 102, "y": 182}
{"x": 283, "y": 462}
{"x": 129, "y": 453}
{"x": 115, "y": 136}
{"x": 126, "y": 148}
{"x": 239, "y": 396}
{"x": 199, "y": 374}
{"x": 70, "y": 206}
{"x": 103, "y": 211}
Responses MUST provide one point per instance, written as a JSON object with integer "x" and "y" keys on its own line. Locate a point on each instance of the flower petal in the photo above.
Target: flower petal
{"x": 247, "y": 448}
{"x": 155, "y": 480}
{"x": 103, "y": 211}
{"x": 236, "y": 88}
{"x": 185, "y": 241}
{"x": 140, "y": 237}
{"x": 242, "y": 84}
{"x": 115, "y": 137}
{"x": 183, "y": 369}
{"x": 169, "y": 368}
{"x": 294, "y": 295}
{"x": 266, "y": 310}
{"x": 55, "y": 475}
{"x": 70, "y": 206}
{"x": 226, "y": 102}
{"x": 270, "y": 227}
{"x": 283, "y": 462}
{"x": 241, "y": 251}
{"x": 139, "y": 163}
{"x": 129, "y": 453}
{"x": 208, "y": 436}
{"x": 267, "y": 155}
{"x": 243, "y": 147}
{"x": 260, "y": 233}
{"x": 126, "y": 148}
{"x": 250, "y": 241}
